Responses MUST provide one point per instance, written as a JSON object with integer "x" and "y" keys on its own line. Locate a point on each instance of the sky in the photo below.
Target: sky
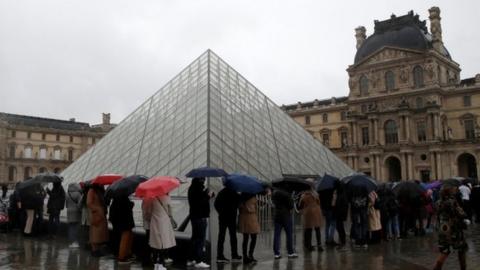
{"x": 76, "y": 59}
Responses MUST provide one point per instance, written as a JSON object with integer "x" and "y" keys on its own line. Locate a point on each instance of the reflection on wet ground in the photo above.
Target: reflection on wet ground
{"x": 18, "y": 252}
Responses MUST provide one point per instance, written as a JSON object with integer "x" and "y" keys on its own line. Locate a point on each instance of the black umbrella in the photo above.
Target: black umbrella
{"x": 48, "y": 178}
{"x": 31, "y": 193}
{"x": 125, "y": 186}
{"x": 359, "y": 184}
{"x": 326, "y": 182}
{"x": 408, "y": 191}
{"x": 452, "y": 182}
{"x": 206, "y": 172}
{"x": 291, "y": 184}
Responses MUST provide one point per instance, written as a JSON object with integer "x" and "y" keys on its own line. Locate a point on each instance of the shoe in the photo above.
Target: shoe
{"x": 236, "y": 258}
{"x": 202, "y": 265}
{"x": 277, "y": 256}
{"x": 191, "y": 263}
{"x": 292, "y": 255}
{"x": 310, "y": 248}
{"x": 127, "y": 260}
{"x": 74, "y": 245}
{"x": 320, "y": 248}
{"x": 168, "y": 261}
{"x": 222, "y": 259}
{"x": 247, "y": 260}
{"x": 98, "y": 253}
{"x": 159, "y": 266}
{"x": 253, "y": 260}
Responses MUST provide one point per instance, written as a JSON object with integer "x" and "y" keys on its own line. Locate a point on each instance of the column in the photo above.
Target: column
{"x": 401, "y": 132}
{"x": 433, "y": 166}
{"x": 355, "y": 162}
{"x": 436, "y": 121}
{"x": 354, "y": 133}
{"x": 379, "y": 170}
{"x": 439, "y": 165}
{"x": 407, "y": 128}
{"x": 404, "y": 166}
{"x": 410, "y": 166}
{"x": 375, "y": 130}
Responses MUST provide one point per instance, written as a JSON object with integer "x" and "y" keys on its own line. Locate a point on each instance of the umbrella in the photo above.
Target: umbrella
{"x": 207, "y": 172}
{"x": 359, "y": 184}
{"x": 433, "y": 185}
{"x": 157, "y": 186}
{"x": 408, "y": 191}
{"x": 106, "y": 179}
{"x": 326, "y": 182}
{"x": 48, "y": 178}
{"x": 292, "y": 184}
{"x": 244, "y": 183}
{"x": 452, "y": 182}
{"x": 125, "y": 186}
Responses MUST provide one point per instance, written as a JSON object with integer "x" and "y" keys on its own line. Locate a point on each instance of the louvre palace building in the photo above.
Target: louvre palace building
{"x": 409, "y": 114}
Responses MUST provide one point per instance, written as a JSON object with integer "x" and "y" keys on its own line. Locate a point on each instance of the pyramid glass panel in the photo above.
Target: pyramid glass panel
{"x": 208, "y": 115}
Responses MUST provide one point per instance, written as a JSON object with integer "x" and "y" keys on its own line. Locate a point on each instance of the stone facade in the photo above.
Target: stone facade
{"x": 408, "y": 114}
{"x": 31, "y": 145}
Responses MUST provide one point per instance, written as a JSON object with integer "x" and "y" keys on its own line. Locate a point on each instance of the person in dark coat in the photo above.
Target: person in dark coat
{"x": 4, "y": 192}
{"x": 226, "y": 204}
{"x": 32, "y": 201}
{"x": 56, "y": 202}
{"x": 198, "y": 201}
{"x": 340, "y": 212}
{"x": 475, "y": 200}
{"x": 121, "y": 217}
{"x": 283, "y": 206}
{"x": 326, "y": 203}
{"x": 14, "y": 212}
{"x": 359, "y": 217}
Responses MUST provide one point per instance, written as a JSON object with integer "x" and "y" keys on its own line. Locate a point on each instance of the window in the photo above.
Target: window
{"x": 419, "y": 102}
{"x": 307, "y": 119}
{"x": 42, "y": 170}
{"x": 363, "y": 108}
{"x": 70, "y": 154}
{"x": 12, "y": 171}
{"x": 27, "y": 153}
{"x": 57, "y": 154}
{"x": 71, "y": 139}
{"x": 56, "y": 170}
{"x": 326, "y": 139}
{"x": 58, "y": 137}
{"x": 467, "y": 101}
{"x": 14, "y": 134}
{"x": 389, "y": 80}
{"x": 43, "y": 153}
{"x": 44, "y": 136}
{"x": 418, "y": 76}
{"x": 344, "y": 138}
{"x": 11, "y": 150}
{"x": 343, "y": 115}
{"x": 325, "y": 118}
{"x": 29, "y": 135}
{"x": 93, "y": 140}
{"x": 469, "y": 129}
{"x": 363, "y": 85}
{"x": 421, "y": 131}
{"x": 27, "y": 172}
{"x": 365, "y": 136}
{"x": 425, "y": 176}
{"x": 391, "y": 135}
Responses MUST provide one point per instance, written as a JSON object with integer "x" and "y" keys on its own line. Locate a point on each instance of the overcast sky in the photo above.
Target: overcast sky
{"x": 64, "y": 58}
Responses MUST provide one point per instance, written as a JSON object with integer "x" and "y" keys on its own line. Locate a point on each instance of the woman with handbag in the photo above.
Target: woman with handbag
{"x": 98, "y": 220}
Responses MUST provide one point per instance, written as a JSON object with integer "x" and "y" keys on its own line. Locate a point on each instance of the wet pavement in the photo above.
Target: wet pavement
{"x": 18, "y": 252}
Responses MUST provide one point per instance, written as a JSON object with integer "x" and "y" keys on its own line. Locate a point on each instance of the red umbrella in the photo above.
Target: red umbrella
{"x": 157, "y": 186}
{"x": 106, "y": 179}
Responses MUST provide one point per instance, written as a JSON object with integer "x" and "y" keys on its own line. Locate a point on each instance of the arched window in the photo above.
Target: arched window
{"x": 56, "y": 170}
{"x": 325, "y": 118}
{"x": 27, "y": 153}
{"x": 12, "y": 173}
{"x": 389, "y": 80}
{"x": 27, "y": 172}
{"x": 419, "y": 102}
{"x": 363, "y": 85}
{"x": 418, "y": 76}
{"x": 391, "y": 134}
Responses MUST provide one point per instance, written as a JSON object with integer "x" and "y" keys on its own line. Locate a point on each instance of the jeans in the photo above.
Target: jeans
{"x": 341, "y": 231}
{"x": 53, "y": 223}
{"x": 329, "y": 226}
{"x": 231, "y": 225}
{"x": 73, "y": 231}
{"x": 360, "y": 225}
{"x": 199, "y": 234}
{"x": 393, "y": 228}
{"x": 287, "y": 225}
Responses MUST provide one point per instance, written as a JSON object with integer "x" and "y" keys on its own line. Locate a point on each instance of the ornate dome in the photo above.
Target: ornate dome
{"x": 402, "y": 32}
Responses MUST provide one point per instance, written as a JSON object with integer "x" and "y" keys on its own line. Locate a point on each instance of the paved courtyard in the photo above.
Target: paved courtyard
{"x": 17, "y": 252}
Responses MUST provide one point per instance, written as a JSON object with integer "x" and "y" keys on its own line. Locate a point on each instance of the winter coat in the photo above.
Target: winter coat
{"x": 198, "y": 200}
{"x": 74, "y": 203}
{"x": 32, "y": 197}
{"x": 247, "y": 219}
{"x": 56, "y": 199}
{"x": 374, "y": 218}
{"x": 121, "y": 214}
{"x": 283, "y": 205}
{"x": 226, "y": 204}
{"x": 310, "y": 208}
{"x": 98, "y": 220}
{"x": 340, "y": 209}
{"x": 162, "y": 235}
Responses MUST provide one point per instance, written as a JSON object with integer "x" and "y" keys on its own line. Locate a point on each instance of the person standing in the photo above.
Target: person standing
{"x": 309, "y": 206}
{"x": 359, "y": 217}
{"x": 98, "y": 220}
{"x": 147, "y": 204}
{"x": 226, "y": 204}
{"x": 56, "y": 203}
{"x": 475, "y": 202}
{"x": 248, "y": 226}
{"x": 451, "y": 225}
{"x": 340, "y": 212}
{"x": 198, "y": 201}
{"x": 374, "y": 218}
{"x": 121, "y": 217}
{"x": 465, "y": 190}
{"x": 326, "y": 202}
{"x": 31, "y": 200}
{"x": 283, "y": 206}
{"x": 161, "y": 235}
{"x": 74, "y": 212}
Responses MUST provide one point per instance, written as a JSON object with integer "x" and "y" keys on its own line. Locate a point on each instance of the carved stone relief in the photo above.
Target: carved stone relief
{"x": 404, "y": 74}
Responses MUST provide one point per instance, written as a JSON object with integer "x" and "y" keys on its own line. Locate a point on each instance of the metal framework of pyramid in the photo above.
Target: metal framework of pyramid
{"x": 208, "y": 115}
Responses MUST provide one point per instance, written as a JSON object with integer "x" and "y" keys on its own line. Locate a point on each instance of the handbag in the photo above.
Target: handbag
{"x": 172, "y": 220}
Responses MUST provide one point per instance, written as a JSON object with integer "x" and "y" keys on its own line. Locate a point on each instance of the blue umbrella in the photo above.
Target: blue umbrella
{"x": 206, "y": 172}
{"x": 243, "y": 183}
{"x": 326, "y": 182}
{"x": 358, "y": 184}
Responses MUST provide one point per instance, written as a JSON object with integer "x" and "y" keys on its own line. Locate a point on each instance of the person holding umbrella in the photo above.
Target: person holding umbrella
{"x": 121, "y": 217}
{"x": 56, "y": 202}
{"x": 74, "y": 212}
{"x": 31, "y": 200}
{"x": 340, "y": 212}
{"x": 98, "y": 221}
{"x": 309, "y": 206}
{"x": 283, "y": 206}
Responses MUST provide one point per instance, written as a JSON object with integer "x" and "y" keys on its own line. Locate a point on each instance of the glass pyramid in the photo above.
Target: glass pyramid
{"x": 208, "y": 115}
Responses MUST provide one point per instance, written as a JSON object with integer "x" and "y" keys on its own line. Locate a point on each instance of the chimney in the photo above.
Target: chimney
{"x": 360, "y": 35}
{"x": 106, "y": 118}
{"x": 436, "y": 28}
